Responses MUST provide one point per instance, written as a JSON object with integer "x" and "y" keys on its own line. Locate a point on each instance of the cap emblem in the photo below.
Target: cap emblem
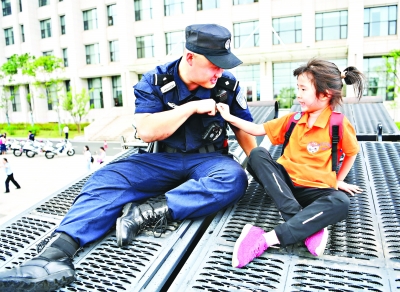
{"x": 227, "y": 44}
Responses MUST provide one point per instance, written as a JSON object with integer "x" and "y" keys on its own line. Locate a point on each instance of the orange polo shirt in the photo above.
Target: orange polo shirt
{"x": 307, "y": 157}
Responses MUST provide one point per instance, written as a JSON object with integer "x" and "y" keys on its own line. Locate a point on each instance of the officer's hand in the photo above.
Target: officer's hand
{"x": 349, "y": 188}
{"x": 206, "y": 106}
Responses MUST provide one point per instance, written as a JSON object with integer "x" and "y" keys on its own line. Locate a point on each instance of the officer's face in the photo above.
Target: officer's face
{"x": 204, "y": 73}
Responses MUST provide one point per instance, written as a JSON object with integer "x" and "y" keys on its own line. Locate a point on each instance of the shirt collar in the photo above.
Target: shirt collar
{"x": 183, "y": 91}
{"x": 321, "y": 121}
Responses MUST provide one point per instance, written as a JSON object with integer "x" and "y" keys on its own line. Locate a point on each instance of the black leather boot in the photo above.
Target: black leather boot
{"x": 50, "y": 270}
{"x": 135, "y": 218}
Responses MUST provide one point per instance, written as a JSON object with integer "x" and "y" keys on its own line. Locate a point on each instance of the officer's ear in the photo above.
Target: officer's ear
{"x": 189, "y": 58}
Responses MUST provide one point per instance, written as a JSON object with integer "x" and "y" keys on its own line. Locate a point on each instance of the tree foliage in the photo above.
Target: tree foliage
{"x": 77, "y": 105}
{"x": 392, "y": 62}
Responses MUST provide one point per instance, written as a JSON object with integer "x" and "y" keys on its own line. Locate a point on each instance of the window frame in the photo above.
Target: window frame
{"x": 200, "y": 6}
{"x": 139, "y": 11}
{"x": 241, "y": 2}
{"x": 43, "y": 3}
{"x": 111, "y": 14}
{"x": 91, "y": 19}
{"x": 16, "y": 101}
{"x": 45, "y": 28}
{"x": 238, "y": 38}
{"x": 144, "y": 49}
{"x": 389, "y": 21}
{"x": 340, "y": 26}
{"x": 65, "y": 56}
{"x": 94, "y": 91}
{"x": 6, "y": 7}
{"x": 21, "y": 27}
{"x": 170, "y": 8}
{"x": 96, "y": 53}
{"x": 114, "y": 51}
{"x": 117, "y": 84}
{"x": 170, "y": 47}
{"x": 296, "y": 19}
{"x": 9, "y": 39}
{"x": 62, "y": 24}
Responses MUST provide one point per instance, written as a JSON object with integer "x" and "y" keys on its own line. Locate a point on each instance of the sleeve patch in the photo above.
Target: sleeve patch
{"x": 241, "y": 99}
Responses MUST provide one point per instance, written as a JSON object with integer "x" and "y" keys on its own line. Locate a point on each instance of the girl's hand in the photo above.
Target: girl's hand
{"x": 351, "y": 189}
{"x": 223, "y": 109}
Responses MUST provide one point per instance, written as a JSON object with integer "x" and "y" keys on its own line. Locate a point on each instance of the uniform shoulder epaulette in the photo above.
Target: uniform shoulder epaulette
{"x": 162, "y": 79}
{"x": 227, "y": 83}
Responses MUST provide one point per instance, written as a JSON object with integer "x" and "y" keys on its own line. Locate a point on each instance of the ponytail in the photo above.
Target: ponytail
{"x": 352, "y": 76}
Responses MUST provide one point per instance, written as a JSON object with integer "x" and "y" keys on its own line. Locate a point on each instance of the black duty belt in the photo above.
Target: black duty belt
{"x": 203, "y": 149}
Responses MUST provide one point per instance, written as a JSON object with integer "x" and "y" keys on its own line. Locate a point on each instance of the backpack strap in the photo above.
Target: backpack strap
{"x": 336, "y": 133}
{"x": 289, "y": 128}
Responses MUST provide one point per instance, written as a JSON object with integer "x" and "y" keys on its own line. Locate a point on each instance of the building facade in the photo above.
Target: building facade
{"x": 107, "y": 44}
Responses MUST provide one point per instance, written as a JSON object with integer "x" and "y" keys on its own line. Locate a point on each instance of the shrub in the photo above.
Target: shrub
{"x": 9, "y": 129}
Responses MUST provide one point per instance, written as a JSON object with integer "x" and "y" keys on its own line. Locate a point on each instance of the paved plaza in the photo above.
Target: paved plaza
{"x": 39, "y": 177}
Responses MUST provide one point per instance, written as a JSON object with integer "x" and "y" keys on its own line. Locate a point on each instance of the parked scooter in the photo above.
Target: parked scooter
{"x": 16, "y": 147}
{"x": 64, "y": 147}
{"x": 31, "y": 148}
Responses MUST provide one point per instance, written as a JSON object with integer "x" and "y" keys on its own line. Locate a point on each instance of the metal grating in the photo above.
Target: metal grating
{"x": 354, "y": 259}
{"x": 311, "y": 276}
{"x": 368, "y": 115}
{"x": 20, "y": 235}
{"x": 384, "y": 160}
{"x": 217, "y": 274}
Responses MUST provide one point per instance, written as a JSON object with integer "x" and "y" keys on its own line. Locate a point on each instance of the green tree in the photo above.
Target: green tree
{"x": 392, "y": 62}
{"x": 77, "y": 104}
{"x": 285, "y": 97}
{"x": 5, "y": 99}
{"x": 46, "y": 70}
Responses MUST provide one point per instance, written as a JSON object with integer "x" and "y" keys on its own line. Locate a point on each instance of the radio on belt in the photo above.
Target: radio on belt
{"x": 212, "y": 132}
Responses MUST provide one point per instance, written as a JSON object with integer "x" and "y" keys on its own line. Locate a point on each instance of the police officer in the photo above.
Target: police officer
{"x": 176, "y": 106}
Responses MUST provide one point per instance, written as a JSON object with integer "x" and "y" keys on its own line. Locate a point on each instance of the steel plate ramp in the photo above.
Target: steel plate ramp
{"x": 369, "y": 117}
{"x": 145, "y": 265}
{"x": 362, "y": 254}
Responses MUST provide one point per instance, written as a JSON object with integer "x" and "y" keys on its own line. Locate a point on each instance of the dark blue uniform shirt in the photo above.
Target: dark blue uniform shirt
{"x": 188, "y": 137}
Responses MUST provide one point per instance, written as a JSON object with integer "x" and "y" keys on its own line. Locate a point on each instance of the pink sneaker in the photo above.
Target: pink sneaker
{"x": 250, "y": 244}
{"x": 316, "y": 242}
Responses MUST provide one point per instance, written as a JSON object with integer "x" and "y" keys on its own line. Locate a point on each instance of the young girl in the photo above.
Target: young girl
{"x": 307, "y": 193}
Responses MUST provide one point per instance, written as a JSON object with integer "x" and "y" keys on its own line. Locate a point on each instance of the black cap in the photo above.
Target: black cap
{"x": 213, "y": 42}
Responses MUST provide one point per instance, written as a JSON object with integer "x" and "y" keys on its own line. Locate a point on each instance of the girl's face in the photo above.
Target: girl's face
{"x": 306, "y": 95}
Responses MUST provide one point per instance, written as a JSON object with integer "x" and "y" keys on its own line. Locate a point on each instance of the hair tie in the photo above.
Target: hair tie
{"x": 343, "y": 74}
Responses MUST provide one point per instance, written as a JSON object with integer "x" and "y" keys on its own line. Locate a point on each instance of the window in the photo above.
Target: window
{"x": 45, "y": 28}
{"x": 62, "y": 24}
{"x": 92, "y": 54}
{"x": 90, "y": 19}
{"x": 145, "y": 47}
{"x": 6, "y": 5}
{"x": 380, "y": 21}
{"x": 65, "y": 56}
{"x": 43, "y": 3}
{"x": 238, "y": 2}
{"x": 288, "y": 29}
{"x": 242, "y": 31}
{"x": 112, "y": 14}
{"x": 250, "y": 73}
{"x": 96, "y": 96}
{"x": 52, "y": 101}
{"x": 143, "y": 9}
{"x": 173, "y": 7}
{"x": 379, "y": 81}
{"x": 207, "y": 4}
{"x": 9, "y": 34}
{"x": 48, "y": 53}
{"x": 175, "y": 42}
{"x": 114, "y": 51}
{"x": 117, "y": 90}
{"x": 67, "y": 85}
{"x": 331, "y": 25}
{"x": 22, "y": 33}
{"x": 15, "y": 99}
{"x": 20, "y": 5}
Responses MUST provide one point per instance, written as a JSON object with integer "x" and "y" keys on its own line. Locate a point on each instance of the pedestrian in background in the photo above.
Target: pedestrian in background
{"x": 88, "y": 157}
{"x": 10, "y": 175}
{"x": 3, "y": 141}
{"x": 105, "y": 145}
{"x": 31, "y": 136}
{"x": 66, "y": 131}
{"x": 101, "y": 156}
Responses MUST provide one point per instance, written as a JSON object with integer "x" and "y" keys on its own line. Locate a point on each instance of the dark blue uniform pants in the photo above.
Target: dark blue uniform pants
{"x": 305, "y": 210}
{"x": 195, "y": 185}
